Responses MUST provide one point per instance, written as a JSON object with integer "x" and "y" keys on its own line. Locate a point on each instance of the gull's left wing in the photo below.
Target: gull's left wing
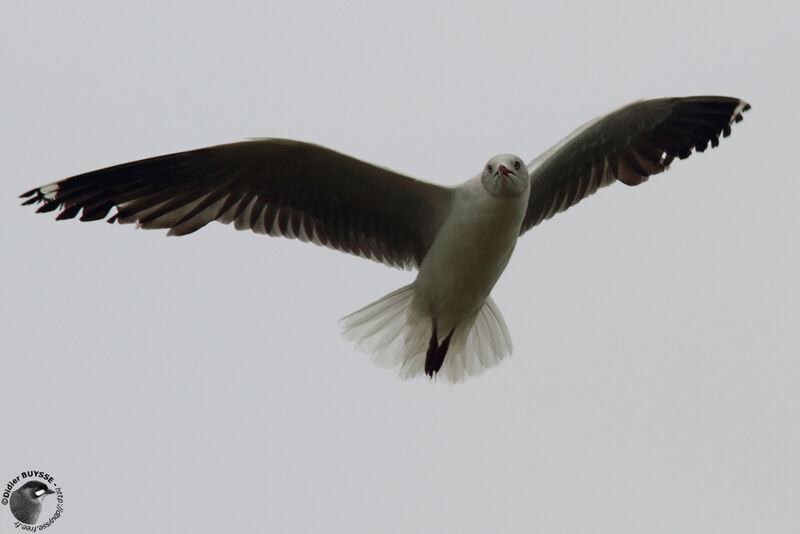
{"x": 629, "y": 145}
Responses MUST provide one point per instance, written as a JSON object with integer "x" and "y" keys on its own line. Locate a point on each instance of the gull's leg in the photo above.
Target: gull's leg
{"x": 436, "y": 352}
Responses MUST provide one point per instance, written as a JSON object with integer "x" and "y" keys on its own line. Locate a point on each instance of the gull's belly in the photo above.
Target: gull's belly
{"x": 467, "y": 257}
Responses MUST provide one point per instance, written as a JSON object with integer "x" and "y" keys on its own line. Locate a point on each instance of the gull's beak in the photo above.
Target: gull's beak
{"x": 502, "y": 169}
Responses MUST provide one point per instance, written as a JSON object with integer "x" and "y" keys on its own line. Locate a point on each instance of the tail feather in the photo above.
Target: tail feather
{"x": 378, "y": 327}
{"x": 398, "y": 337}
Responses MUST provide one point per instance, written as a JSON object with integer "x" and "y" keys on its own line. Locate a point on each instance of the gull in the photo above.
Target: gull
{"x": 444, "y": 324}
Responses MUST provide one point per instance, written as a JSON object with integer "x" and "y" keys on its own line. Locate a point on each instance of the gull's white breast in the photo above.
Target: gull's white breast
{"x": 468, "y": 255}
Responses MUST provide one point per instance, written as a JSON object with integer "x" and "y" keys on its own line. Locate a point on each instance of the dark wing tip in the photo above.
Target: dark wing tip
{"x": 68, "y": 213}
{"x": 697, "y": 122}
{"x": 739, "y": 110}
{"x": 47, "y": 207}
{"x": 47, "y": 196}
{"x": 738, "y": 116}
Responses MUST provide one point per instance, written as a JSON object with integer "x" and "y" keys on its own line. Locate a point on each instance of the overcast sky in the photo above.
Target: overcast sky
{"x": 200, "y": 384}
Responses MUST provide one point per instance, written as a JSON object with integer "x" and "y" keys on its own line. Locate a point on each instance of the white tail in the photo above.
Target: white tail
{"x": 397, "y": 337}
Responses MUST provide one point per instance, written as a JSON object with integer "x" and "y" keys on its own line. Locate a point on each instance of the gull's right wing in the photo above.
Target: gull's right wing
{"x": 271, "y": 186}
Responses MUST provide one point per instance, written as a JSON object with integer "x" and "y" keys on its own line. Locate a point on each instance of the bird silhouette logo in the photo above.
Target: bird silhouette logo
{"x": 26, "y": 497}
{"x": 26, "y": 502}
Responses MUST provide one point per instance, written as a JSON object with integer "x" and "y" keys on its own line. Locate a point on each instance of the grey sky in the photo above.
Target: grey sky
{"x": 200, "y": 383}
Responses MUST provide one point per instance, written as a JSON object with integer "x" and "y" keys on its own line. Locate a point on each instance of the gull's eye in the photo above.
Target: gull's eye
{"x": 489, "y": 167}
{"x": 516, "y": 165}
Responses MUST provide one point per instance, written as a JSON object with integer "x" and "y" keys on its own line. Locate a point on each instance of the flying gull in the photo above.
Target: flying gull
{"x": 444, "y": 323}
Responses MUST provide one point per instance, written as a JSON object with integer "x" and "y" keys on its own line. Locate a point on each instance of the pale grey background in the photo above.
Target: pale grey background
{"x": 198, "y": 384}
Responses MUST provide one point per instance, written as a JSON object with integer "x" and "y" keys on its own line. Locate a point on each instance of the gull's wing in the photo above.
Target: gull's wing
{"x": 271, "y": 186}
{"x": 628, "y": 145}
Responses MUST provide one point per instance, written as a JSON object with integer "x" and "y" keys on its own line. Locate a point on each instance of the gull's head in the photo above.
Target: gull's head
{"x": 505, "y": 176}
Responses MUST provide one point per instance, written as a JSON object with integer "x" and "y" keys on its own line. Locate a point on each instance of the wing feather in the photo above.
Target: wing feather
{"x": 271, "y": 186}
{"x": 629, "y": 145}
